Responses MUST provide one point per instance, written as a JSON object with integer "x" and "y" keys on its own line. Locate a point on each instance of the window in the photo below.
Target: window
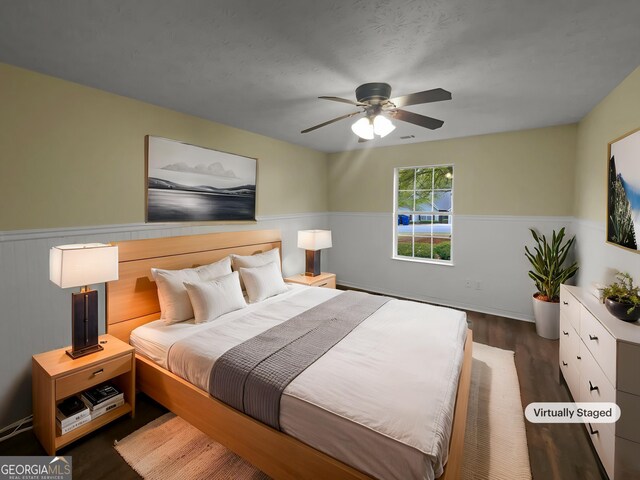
{"x": 423, "y": 213}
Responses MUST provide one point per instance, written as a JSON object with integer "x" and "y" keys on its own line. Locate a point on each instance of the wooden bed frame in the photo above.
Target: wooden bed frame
{"x": 132, "y": 301}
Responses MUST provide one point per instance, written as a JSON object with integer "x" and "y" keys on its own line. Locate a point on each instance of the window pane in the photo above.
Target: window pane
{"x": 441, "y": 248}
{"x": 442, "y": 200}
{"x": 405, "y": 178}
{"x": 424, "y": 201}
{"x": 424, "y": 179}
{"x": 405, "y": 226}
{"x": 442, "y": 225}
{"x": 405, "y": 201}
{"x": 422, "y": 224}
{"x": 405, "y": 246}
{"x": 443, "y": 177}
{"x": 422, "y": 247}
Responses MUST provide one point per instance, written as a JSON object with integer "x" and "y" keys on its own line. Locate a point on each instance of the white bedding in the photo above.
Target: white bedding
{"x": 381, "y": 400}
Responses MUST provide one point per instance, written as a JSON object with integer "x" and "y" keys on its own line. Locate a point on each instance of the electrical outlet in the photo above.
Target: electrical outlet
{"x": 467, "y": 283}
{"x": 478, "y": 285}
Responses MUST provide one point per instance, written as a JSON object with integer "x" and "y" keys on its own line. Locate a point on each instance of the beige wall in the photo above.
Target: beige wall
{"x": 71, "y": 155}
{"x": 528, "y": 172}
{"x": 617, "y": 114}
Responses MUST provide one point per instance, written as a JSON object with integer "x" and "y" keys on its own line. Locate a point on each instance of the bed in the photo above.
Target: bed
{"x": 324, "y": 432}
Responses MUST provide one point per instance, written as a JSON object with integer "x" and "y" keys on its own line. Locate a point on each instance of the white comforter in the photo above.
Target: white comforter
{"x": 381, "y": 400}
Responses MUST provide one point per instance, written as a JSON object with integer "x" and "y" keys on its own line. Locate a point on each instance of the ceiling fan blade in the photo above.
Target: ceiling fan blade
{"x": 416, "y": 119}
{"x": 428, "y": 96}
{"x": 362, "y": 140}
{"x": 343, "y": 100}
{"x": 328, "y": 122}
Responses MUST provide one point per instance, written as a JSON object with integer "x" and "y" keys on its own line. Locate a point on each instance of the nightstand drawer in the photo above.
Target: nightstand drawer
{"x": 88, "y": 377}
{"x": 328, "y": 283}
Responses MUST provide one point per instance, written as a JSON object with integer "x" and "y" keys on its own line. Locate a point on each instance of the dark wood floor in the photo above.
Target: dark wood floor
{"x": 557, "y": 451}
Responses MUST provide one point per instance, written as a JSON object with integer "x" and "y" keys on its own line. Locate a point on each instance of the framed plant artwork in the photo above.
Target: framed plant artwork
{"x": 187, "y": 183}
{"x": 623, "y": 191}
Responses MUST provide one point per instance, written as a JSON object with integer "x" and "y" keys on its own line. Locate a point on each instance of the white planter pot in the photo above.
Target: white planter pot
{"x": 547, "y": 315}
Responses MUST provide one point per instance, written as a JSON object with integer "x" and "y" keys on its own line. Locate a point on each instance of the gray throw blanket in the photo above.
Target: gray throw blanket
{"x": 252, "y": 376}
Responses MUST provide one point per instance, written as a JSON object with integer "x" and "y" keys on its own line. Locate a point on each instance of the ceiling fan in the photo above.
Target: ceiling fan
{"x": 373, "y": 98}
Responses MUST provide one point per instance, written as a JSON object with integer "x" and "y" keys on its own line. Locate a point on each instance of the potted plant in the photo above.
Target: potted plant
{"x": 548, "y": 274}
{"x": 622, "y": 298}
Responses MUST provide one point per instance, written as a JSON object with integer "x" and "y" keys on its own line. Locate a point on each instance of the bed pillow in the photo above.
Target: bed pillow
{"x": 175, "y": 305}
{"x": 263, "y": 282}
{"x": 257, "y": 260}
{"x": 216, "y": 297}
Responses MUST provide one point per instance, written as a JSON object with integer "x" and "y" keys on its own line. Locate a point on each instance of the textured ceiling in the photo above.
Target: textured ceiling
{"x": 260, "y": 65}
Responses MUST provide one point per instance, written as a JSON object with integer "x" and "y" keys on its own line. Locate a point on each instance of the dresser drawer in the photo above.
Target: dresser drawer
{"x": 600, "y": 343}
{"x": 90, "y": 376}
{"x": 627, "y": 462}
{"x": 627, "y": 426}
{"x": 570, "y": 308}
{"x": 628, "y": 364}
{"x": 594, "y": 385}
{"x": 569, "y": 344}
{"x": 603, "y": 439}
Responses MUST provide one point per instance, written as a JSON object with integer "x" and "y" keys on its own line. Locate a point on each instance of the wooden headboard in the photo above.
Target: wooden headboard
{"x": 132, "y": 300}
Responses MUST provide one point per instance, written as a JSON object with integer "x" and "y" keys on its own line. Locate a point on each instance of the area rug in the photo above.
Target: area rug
{"x": 495, "y": 440}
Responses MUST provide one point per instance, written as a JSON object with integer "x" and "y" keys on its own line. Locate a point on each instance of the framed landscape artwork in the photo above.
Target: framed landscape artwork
{"x": 623, "y": 191}
{"x": 186, "y": 183}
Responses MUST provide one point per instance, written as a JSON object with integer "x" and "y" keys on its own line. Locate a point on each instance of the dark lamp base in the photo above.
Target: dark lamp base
{"x": 84, "y": 324}
{"x": 312, "y": 268}
{"x": 84, "y": 351}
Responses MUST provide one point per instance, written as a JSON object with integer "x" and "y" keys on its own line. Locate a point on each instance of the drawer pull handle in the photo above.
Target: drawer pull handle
{"x": 593, "y": 337}
{"x": 578, "y": 357}
{"x": 591, "y": 430}
{"x": 565, "y": 333}
{"x": 98, "y": 372}
{"x": 564, "y": 363}
{"x": 323, "y": 284}
{"x": 592, "y": 388}
{"x": 565, "y": 303}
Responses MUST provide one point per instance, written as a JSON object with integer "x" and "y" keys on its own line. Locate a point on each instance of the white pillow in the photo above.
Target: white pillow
{"x": 215, "y": 297}
{"x": 172, "y": 294}
{"x": 263, "y": 282}
{"x": 257, "y": 260}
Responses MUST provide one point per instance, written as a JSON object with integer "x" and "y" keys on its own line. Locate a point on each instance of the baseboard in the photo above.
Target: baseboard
{"x": 442, "y": 303}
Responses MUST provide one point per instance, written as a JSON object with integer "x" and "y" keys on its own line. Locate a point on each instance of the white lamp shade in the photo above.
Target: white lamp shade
{"x": 314, "y": 239}
{"x": 363, "y": 128}
{"x": 83, "y": 264}
{"x": 382, "y": 126}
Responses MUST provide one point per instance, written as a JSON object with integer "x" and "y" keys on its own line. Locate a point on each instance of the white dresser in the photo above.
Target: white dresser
{"x": 600, "y": 361}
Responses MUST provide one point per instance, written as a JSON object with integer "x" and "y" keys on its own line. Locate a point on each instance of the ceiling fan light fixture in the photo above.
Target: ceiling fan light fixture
{"x": 363, "y": 128}
{"x": 382, "y": 126}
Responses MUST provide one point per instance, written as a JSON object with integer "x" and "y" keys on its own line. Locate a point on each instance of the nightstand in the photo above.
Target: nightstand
{"x": 326, "y": 280}
{"x": 56, "y": 376}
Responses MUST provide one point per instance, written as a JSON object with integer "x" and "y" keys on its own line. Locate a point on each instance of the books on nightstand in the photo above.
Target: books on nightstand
{"x": 70, "y": 414}
{"x": 101, "y": 399}
{"x": 77, "y": 410}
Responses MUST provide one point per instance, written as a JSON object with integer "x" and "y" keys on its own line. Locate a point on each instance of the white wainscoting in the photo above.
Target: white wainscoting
{"x": 36, "y": 314}
{"x": 486, "y": 249}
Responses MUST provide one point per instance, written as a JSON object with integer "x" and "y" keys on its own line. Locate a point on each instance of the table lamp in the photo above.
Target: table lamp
{"x": 313, "y": 241}
{"x": 82, "y": 265}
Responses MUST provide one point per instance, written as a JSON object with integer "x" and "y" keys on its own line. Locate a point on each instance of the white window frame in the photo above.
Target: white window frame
{"x": 451, "y": 215}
